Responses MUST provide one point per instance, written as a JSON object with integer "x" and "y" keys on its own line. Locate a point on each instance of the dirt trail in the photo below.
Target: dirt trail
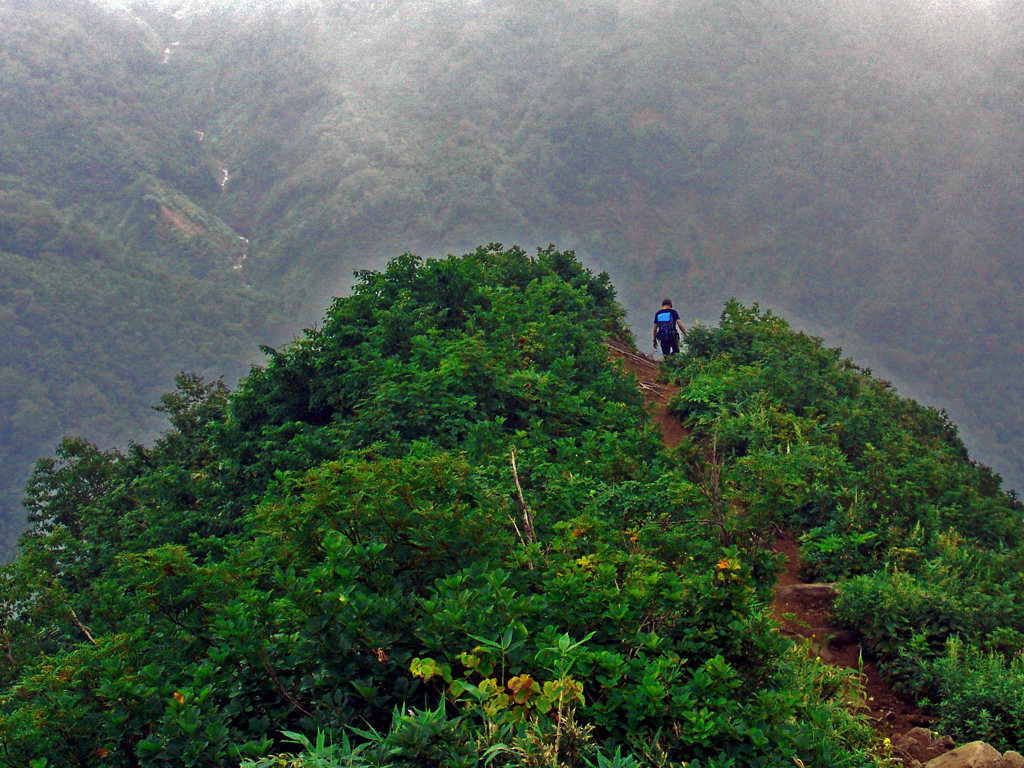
{"x": 802, "y": 610}
{"x": 646, "y": 369}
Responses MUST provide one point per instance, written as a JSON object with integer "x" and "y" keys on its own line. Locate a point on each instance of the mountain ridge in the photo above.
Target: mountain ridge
{"x": 335, "y": 549}
{"x": 781, "y": 154}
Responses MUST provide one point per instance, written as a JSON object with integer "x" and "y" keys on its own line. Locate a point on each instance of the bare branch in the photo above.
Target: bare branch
{"x": 707, "y": 475}
{"x": 7, "y": 652}
{"x": 518, "y": 532}
{"x": 277, "y": 683}
{"x": 76, "y": 621}
{"x": 527, "y": 536}
{"x": 529, "y": 533}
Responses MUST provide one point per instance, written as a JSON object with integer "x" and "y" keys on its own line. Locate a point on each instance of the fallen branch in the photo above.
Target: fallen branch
{"x": 645, "y": 360}
{"x": 657, "y": 391}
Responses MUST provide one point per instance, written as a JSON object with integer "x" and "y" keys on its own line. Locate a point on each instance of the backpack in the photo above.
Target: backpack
{"x": 666, "y": 324}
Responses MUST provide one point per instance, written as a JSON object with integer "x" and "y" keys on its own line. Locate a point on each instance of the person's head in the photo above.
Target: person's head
{"x": 666, "y": 303}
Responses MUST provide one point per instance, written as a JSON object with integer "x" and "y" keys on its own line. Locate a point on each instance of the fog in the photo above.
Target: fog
{"x": 856, "y": 166}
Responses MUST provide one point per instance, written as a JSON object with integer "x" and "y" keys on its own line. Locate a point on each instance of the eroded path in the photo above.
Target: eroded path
{"x": 805, "y": 611}
{"x": 802, "y": 610}
{"x": 646, "y": 369}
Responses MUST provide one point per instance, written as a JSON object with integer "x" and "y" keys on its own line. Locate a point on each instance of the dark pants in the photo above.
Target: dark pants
{"x": 670, "y": 344}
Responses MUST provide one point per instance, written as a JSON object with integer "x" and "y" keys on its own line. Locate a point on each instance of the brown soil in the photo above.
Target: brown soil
{"x": 180, "y": 222}
{"x": 805, "y": 611}
{"x": 802, "y": 610}
{"x": 646, "y": 369}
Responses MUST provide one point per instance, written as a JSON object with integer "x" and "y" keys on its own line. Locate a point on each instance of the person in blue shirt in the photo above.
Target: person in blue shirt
{"x": 666, "y": 320}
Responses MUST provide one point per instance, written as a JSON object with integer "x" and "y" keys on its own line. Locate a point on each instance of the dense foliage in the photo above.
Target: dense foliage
{"x": 112, "y": 277}
{"x": 929, "y": 550}
{"x": 435, "y": 531}
{"x": 855, "y": 162}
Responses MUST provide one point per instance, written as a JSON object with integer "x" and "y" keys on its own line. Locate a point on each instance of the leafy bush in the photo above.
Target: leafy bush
{"x": 979, "y": 695}
{"x": 890, "y": 607}
{"x": 829, "y": 556}
{"x": 882, "y": 489}
{"x": 392, "y": 532}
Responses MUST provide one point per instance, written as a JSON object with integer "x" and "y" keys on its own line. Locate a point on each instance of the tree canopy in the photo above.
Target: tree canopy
{"x": 440, "y": 524}
{"x": 209, "y": 177}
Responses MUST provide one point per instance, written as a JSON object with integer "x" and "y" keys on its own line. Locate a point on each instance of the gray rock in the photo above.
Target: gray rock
{"x": 901, "y": 741}
{"x": 920, "y": 743}
{"x": 921, "y": 736}
{"x": 977, "y": 754}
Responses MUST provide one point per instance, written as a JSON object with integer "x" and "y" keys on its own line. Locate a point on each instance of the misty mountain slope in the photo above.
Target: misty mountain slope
{"x": 115, "y": 275}
{"x": 854, "y": 164}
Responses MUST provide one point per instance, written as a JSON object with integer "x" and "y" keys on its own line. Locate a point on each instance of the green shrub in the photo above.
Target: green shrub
{"x": 979, "y": 695}
{"x": 890, "y": 607}
{"x": 830, "y": 555}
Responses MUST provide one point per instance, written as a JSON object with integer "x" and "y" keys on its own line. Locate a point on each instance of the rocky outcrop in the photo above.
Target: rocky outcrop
{"x": 977, "y": 754}
{"x": 918, "y": 747}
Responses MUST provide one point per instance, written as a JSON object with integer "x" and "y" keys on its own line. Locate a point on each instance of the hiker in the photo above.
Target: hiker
{"x": 665, "y": 322}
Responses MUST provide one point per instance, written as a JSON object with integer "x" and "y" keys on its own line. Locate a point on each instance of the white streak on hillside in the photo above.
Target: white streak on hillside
{"x": 239, "y": 260}
{"x": 167, "y": 54}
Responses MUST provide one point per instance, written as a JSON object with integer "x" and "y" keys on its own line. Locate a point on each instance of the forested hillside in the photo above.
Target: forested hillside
{"x": 113, "y": 277}
{"x": 225, "y": 166}
{"x": 457, "y": 530}
{"x": 440, "y": 530}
